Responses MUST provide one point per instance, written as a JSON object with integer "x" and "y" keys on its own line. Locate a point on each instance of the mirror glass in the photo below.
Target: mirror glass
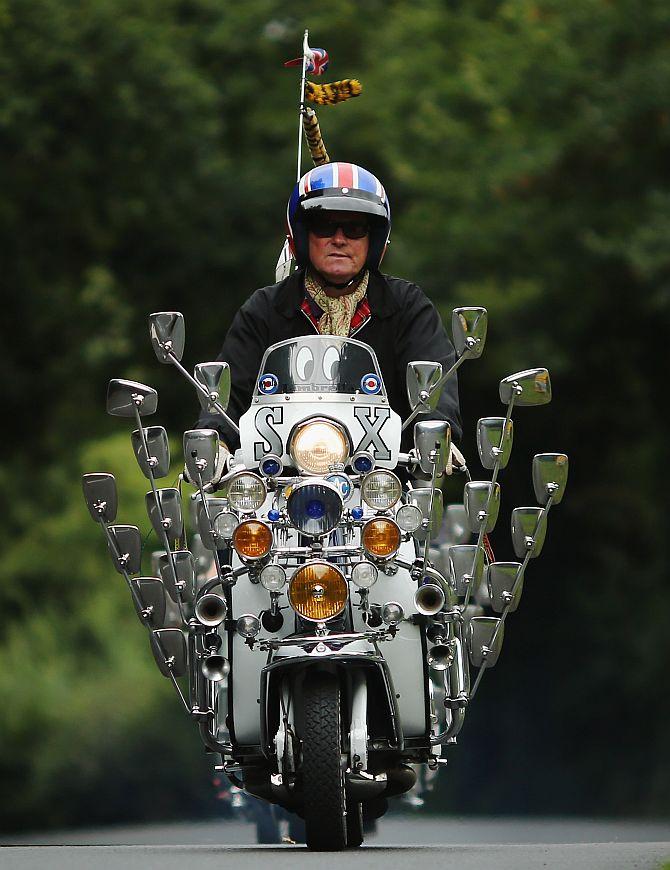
{"x": 168, "y": 333}
{"x": 215, "y": 377}
{"x": 184, "y": 565}
{"x": 164, "y": 511}
{"x": 489, "y": 438}
{"x": 421, "y": 498}
{"x": 455, "y": 529}
{"x": 550, "y": 474}
{"x": 126, "y": 550}
{"x": 530, "y": 387}
{"x": 151, "y": 593}
{"x": 466, "y": 559}
{"x": 529, "y": 529}
{"x": 432, "y": 435}
{"x": 421, "y": 376}
{"x": 479, "y": 635}
{"x": 468, "y": 327}
{"x": 201, "y": 447}
{"x": 169, "y": 643}
{"x": 500, "y": 577}
{"x": 159, "y": 451}
{"x": 475, "y": 497}
{"x": 124, "y": 396}
{"x": 100, "y": 495}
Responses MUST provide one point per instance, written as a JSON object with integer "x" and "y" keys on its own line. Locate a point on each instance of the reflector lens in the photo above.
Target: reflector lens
{"x": 364, "y": 574}
{"x": 318, "y": 445}
{"x": 409, "y": 518}
{"x": 318, "y": 591}
{"x": 380, "y": 490}
{"x": 252, "y": 539}
{"x": 380, "y": 538}
{"x": 246, "y": 492}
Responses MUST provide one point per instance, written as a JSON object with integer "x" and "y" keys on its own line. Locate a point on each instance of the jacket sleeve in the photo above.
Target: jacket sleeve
{"x": 422, "y": 336}
{"x": 243, "y": 349}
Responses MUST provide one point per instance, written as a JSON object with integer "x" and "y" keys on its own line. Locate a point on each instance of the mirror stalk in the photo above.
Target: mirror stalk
{"x": 199, "y": 387}
{"x": 421, "y": 408}
{"x": 433, "y": 481}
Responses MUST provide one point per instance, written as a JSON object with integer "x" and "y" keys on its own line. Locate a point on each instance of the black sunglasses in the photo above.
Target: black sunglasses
{"x": 324, "y": 228}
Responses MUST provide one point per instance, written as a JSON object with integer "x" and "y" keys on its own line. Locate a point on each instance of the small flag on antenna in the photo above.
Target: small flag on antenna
{"x": 317, "y": 61}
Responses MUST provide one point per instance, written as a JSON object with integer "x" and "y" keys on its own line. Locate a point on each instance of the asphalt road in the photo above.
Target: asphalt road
{"x": 400, "y": 842}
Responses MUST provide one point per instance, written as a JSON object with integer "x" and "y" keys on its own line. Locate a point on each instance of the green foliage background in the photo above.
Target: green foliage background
{"x": 147, "y": 154}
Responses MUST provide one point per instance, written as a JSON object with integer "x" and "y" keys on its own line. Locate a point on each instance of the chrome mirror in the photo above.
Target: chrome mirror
{"x": 215, "y": 378}
{"x": 168, "y": 335}
{"x": 529, "y": 529}
{"x": 184, "y": 566}
{"x": 215, "y": 506}
{"x": 125, "y": 547}
{"x": 421, "y": 498}
{"x": 164, "y": 510}
{"x": 550, "y": 476}
{"x": 201, "y": 447}
{"x": 151, "y": 595}
{"x": 169, "y": 649}
{"x": 476, "y": 498}
{"x": 462, "y": 559}
{"x": 500, "y": 578}
{"x": 456, "y": 530}
{"x": 432, "y": 440}
{"x": 490, "y": 431}
{"x": 158, "y": 463}
{"x": 125, "y": 397}
{"x": 530, "y": 387}
{"x": 100, "y": 495}
{"x": 483, "y": 650}
{"x": 468, "y": 327}
{"x": 421, "y": 377}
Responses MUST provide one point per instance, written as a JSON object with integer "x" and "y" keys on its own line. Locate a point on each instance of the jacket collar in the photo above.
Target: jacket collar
{"x": 291, "y": 292}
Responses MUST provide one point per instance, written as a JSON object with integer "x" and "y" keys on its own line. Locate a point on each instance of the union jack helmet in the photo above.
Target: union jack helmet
{"x": 339, "y": 187}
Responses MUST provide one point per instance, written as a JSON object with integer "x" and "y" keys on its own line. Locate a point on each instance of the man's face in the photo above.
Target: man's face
{"x": 332, "y": 253}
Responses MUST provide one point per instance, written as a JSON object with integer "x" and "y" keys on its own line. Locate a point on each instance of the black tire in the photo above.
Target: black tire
{"x": 322, "y": 773}
{"x": 355, "y": 834}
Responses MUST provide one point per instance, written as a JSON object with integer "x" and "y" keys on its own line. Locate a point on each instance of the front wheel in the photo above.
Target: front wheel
{"x": 322, "y": 771}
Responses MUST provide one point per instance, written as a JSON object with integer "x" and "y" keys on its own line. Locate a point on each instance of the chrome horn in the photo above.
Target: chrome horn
{"x": 211, "y": 609}
{"x": 215, "y": 668}
{"x": 429, "y": 599}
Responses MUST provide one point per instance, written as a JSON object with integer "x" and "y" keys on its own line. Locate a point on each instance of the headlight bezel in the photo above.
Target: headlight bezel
{"x": 336, "y": 577}
{"x": 304, "y": 426}
{"x": 246, "y": 557}
{"x": 382, "y": 473}
{"x": 368, "y": 529}
{"x": 306, "y": 524}
{"x": 251, "y": 506}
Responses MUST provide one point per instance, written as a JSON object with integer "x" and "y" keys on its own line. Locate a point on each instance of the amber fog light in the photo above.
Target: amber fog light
{"x": 380, "y": 538}
{"x": 252, "y": 539}
{"x": 318, "y": 591}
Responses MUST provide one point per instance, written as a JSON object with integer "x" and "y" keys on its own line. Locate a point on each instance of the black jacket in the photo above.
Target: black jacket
{"x": 404, "y": 325}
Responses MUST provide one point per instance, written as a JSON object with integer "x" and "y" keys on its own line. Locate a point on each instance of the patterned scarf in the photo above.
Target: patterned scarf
{"x": 337, "y": 310}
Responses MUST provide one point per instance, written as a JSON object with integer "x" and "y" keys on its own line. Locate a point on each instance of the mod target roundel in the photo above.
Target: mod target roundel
{"x": 371, "y": 384}
{"x": 268, "y": 384}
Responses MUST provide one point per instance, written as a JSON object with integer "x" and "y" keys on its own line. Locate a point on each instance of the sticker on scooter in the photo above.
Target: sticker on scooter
{"x": 371, "y": 384}
{"x": 268, "y": 384}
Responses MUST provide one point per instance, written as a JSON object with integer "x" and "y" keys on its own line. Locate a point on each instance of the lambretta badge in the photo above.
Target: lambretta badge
{"x": 372, "y": 420}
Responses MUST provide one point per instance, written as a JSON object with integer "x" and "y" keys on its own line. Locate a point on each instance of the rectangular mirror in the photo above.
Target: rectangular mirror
{"x": 500, "y": 577}
{"x": 468, "y": 327}
{"x": 201, "y": 447}
{"x": 529, "y": 529}
{"x": 208, "y": 537}
{"x": 184, "y": 582}
{"x": 158, "y": 463}
{"x": 100, "y": 495}
{"x": 128, "y": 543}
{"x": 491, "y": 444}
{"x": 169, "y": 649}
{"x": 480, "y": 633}
{"x": 530, "y": 387}
{"x": 550, "y": 475}
{"x": 151, "y": 594}
{"x": 123, "y": 397}
{"x": 422, "y": 375}
{"x": 168, "y": 334}
{"x": 215, "y": 378}
{"x": 421, "y": 498}
{"x": 432, "y": 437}
{"x": 455, "y": 529}
{"x": 466, "y": 567}
{"x": 475, "y": 499}
{"x": 165, "y": 516}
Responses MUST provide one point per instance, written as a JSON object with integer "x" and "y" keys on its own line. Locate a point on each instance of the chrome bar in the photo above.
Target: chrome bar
{"x": 275, "y": 643}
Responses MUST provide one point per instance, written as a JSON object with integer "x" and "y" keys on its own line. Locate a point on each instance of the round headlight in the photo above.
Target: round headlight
{"x": 317, "y": 445}
{"x": 314, "y": 507}
{"x": 392, "y": 613}
{"x": 252, "y": 539}
{"x": 225, "y": 524}
{"x": 248, "y": 625}
{"x": 273, "y": 578}
{"x": 364, "y": 574}
{"x": 246, "y": 492}
{"x": 380, "y": 490}
{"x": 409, "y": 518}
{"x": 318, "y": 591}
{"x": 380, "y": 538}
